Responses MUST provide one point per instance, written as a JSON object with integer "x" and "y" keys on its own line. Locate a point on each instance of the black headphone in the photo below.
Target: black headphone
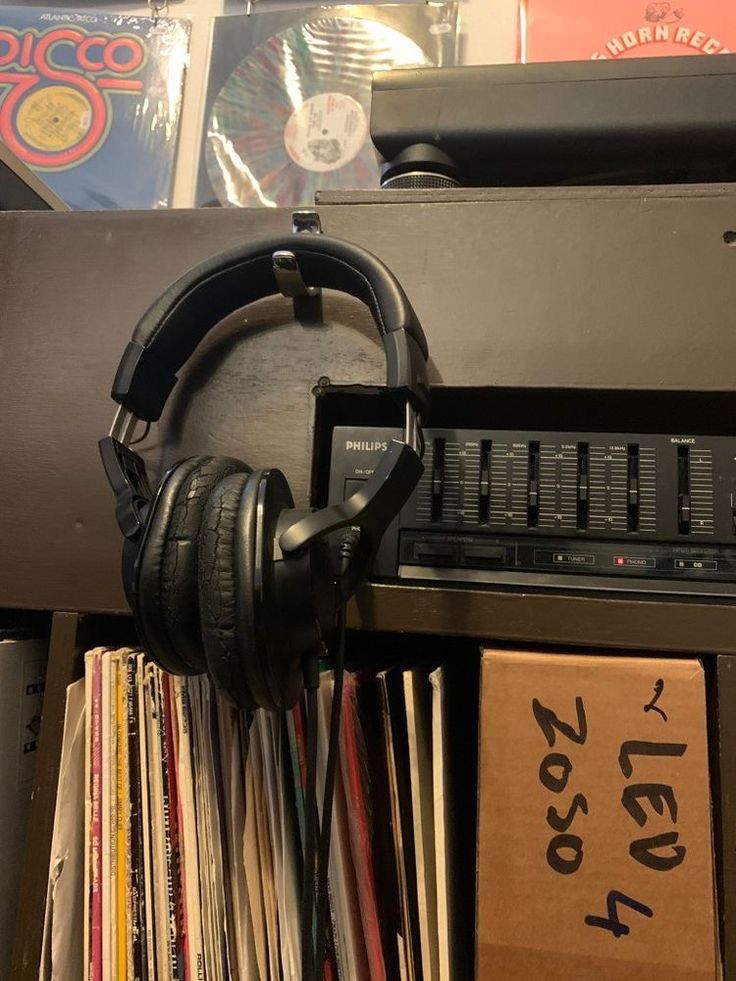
{"x": 222, "y": 573}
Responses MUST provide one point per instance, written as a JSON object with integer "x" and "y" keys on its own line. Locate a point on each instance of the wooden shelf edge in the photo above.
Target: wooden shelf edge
{"x": 656, "y": 624}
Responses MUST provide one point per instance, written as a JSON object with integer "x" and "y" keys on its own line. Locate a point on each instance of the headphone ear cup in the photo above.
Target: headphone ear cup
{"x": 167, "y": 598}
{"x": 293, "y": 593}
{"x": 226, "y": 597}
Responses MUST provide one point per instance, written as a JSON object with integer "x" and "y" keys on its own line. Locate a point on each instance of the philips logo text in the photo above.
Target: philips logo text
{"x": 366, "y": 445}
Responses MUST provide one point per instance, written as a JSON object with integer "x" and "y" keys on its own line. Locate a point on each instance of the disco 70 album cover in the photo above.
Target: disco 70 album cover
{"x": 92, "y": 101}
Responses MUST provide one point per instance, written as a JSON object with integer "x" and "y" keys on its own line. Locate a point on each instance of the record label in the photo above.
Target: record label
{"x": 326, "y": 132}
{"x": 54, "y": 118}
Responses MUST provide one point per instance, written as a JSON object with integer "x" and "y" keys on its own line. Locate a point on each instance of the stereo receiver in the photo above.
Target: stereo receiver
{"x": 617, "y": 511}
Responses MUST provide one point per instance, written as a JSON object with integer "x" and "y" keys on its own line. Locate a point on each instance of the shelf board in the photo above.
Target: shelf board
{"x": 549, "y": 617}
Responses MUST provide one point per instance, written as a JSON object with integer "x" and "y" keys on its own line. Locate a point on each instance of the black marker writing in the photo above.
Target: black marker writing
{"x": 559, "y": 823}
{"x": 612, "y": 922}
{"x": 565, "y": 851}
{"x": 560, "y": 863}
{"x": 643, "y": 851}
{"x": 636, "y": 747}
{"x": 548, "y": 722}
{"x": 658, "y": 794}
{"x": 652, "y": 706}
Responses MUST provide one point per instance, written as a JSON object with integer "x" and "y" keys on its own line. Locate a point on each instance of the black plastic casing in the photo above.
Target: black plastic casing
{"x": 652, "y": 120}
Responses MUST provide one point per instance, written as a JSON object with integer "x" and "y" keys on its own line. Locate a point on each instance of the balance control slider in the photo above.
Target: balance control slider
{"x": 683, "y": 490}
{"x": 438, "y": 478}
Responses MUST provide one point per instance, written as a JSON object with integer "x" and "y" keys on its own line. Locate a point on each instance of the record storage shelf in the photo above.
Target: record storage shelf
{"x": 66, "y": 559}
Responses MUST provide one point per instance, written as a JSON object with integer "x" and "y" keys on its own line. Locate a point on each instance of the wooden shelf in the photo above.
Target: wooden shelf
{"x": 651, "y": 623}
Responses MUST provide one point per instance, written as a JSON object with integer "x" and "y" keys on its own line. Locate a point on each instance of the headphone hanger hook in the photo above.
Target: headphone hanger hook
{"x": 288, "y": 275}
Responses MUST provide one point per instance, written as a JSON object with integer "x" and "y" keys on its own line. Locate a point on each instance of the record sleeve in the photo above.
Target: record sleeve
{"x": 92, "y": 102}
{"x": 288, "y": 103}
{"x": 134, "y": 843}
{"x": 192, "y": 874}
{"x": 108, "y": 816}
{"x": 393, "y": 715}
{"x": 568, "y": 30}
{"x": 148, "y": 919}
{"x": 93, "y": 815}
{"x": 355, "y": 779}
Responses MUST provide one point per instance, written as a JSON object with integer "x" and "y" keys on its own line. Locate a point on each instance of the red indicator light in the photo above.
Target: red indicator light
{"x": 619, "y": 560}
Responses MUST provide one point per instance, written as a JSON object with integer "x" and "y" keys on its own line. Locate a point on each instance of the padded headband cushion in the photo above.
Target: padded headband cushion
{"x": 172, "y": 328}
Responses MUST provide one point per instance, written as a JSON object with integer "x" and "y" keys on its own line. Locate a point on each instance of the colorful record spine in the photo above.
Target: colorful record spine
{"x": 95, "y": 958}
{"x": 134, "y": 838}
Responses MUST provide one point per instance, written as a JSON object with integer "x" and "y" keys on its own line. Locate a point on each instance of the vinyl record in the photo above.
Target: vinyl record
{"x": 292, "y": 118}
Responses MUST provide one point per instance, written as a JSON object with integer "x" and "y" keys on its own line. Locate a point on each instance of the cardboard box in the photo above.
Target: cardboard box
{"x": 595, "y": 855}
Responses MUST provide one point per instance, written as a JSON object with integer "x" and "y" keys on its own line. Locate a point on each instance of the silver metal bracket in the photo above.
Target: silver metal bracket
{"x": 288, "y": 275}
{"x": 413, "y": 430}
{"x": 123, "y": 426}
{"x": 306, "y": 221}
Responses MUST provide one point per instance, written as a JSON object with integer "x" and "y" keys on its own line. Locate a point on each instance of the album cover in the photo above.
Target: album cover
{"x": 569, "y": 30}
{"x": 288, "y": 100}
{"x": 91, "y": 102}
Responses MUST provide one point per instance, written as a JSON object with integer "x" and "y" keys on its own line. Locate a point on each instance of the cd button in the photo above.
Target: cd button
{"x": 697, "y": 565}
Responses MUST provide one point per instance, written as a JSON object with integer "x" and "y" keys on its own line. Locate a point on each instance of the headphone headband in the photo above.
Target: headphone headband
{"x": 169, "y": 332}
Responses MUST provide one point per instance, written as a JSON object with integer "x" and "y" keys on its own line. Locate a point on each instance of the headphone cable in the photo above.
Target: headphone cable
{"x": 309, "y": 876}
{"x": 347, "y": 548}
{"x": 323, "y": 854}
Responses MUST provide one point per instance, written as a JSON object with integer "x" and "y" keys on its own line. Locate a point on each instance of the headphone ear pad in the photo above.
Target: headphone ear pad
{"x": 226, "y": 597}
{"x": 167, "y": 602}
